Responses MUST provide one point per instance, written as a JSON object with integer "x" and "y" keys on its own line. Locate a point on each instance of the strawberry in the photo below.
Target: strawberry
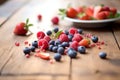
{"x": 83, "y": 16}
{"x": 113, "y": 10}
{"x": 101, "y": 15}
{"x": 80, "y": 9}
{"x": 97, "y": 9}
{"x": 84, "y": 42}
{"x": 89, "y": 11}
{"x": 71, "y": 12}
{"x": 22, "y": 28}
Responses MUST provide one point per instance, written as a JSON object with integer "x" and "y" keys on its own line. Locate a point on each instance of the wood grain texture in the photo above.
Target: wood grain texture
{"x": 14, "y": 65}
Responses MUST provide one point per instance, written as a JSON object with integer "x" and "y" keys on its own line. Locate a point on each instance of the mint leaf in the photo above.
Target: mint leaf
{"x": 58, "y": 34}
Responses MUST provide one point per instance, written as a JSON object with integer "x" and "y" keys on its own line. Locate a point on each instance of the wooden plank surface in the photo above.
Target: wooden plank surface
{"x": 14, "y": 65}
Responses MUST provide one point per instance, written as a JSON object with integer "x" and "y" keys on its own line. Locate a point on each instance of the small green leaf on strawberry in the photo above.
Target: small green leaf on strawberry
{"x": 58, "y": 34}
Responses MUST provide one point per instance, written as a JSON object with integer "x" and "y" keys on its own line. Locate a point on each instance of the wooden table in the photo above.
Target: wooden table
{"x": 14, "y": 65}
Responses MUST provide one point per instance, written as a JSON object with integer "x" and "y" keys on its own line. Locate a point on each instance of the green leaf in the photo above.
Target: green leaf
{"x": 58, "y": 34}
{"x": 111, "y": 15}
{"x": 117, "y": 15}
{"x": 30, "y": 25}
{"x": 81, "y": 15}
{"x": 27, "y": 20}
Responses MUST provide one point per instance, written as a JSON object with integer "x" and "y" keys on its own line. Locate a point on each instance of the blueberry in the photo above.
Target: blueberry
{"x": 102, "y": 55}
{"x": 60, "y": 45}
{"x": 26, "y": 50}
{"x": 60, "y": 50}
{"x": 35, "y": 44}
{"x": 94, "y": 39}
{"x": 32, "y": 48}
{"x": 70, "y": 37}
{"x": 56, "y": 29}
{"x": 66, "y": 32}
{"x": 50, "y": 47}
{"x": 54, "y": 49}
{"x": 49, "y": 32}
{"x": 57, "y": 42}
{"x": 81, "y": 49}
{"x": 57, "y": 57}
{"x": 72, "y": 53}
{"x": 80, "y": 31}
{"x": 65, "y": 44}
{"x": 51, "y": 42}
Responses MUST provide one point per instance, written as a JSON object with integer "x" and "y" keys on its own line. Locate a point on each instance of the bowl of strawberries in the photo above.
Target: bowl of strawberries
{"x": 91, "y": 16}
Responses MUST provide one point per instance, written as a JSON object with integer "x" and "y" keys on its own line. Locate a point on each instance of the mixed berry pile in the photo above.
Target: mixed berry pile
{"x": 62, "y": 42}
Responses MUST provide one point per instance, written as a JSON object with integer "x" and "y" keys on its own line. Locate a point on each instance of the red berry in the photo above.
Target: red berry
{"x": 63, "y": 38}
{"x": 47, "y": 38}
{"x": 39, "y": 17}
{"x": 72, "y": 31}
{"x": 74, "y": 45}
{"x": 43, "y": 44}
{"x": 40, "y": 35}
{"x": 77, "y": 37}
{"x": 55, "y": 20}
{"x": 17, "y": 43}
{"x": 26, "y": 42}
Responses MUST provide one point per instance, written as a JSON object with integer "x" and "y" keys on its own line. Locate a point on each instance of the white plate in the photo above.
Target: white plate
{"x": 92, "y": 23}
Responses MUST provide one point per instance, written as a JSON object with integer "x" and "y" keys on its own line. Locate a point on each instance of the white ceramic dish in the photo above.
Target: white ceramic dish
{"x": 92, "y": 23}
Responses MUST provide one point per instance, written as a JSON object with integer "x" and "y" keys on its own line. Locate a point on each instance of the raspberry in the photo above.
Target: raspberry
{"x": 74, "y": 45}
{"x": 55, "y": 20}
{"x": 39, "y": 17}
{"x": 63, "y": 38}
{"x": 40, "y": 35}
{"x": 43, "y": 44}
{"x": 72, "y": 31}
{"x": 77, "y": 37}
{"x": 47, "y": 38}
{"x": 17, "y": 43}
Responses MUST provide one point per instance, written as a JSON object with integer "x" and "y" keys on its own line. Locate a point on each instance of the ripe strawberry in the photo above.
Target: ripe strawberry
{"x": 55, "y": 20}
{"x": 97, "y": 9}
{"x": 40, "y": 35}
{"x": 74, "y": 45}
{"x": 84, "y": 42}
{"x": 22, "y": 28}
{"x": 113, "y": 10}
{"x": 83, "y": 16}
{"x": 72, "y": 31}
{"x": 80, "y": 9}
{"x": 77, "y": 37}
{"x": 71, "y": 12}
{"x": 105, "y": 8}
{"x": 89, "y": 11}
{"x": 43, "y": 44}
{"x": 101, "y": 15}
{"x": 63, "y": 38}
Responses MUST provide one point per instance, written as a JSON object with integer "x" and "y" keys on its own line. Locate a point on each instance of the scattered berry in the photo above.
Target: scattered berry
{"x": 72, "y": 53}
{"x": 77, "y": 37}
{"x": 74, "y": 45}
{"x": 26, "y": 50}
{"x": 66, "y": 32}
{"x": 102, "y": 55}
{"x": 81, "y": 49}
{"x": 63, "y": 38}
{"x": 72, "y": 31}
{"x": 51, "y": 42}
{"x": 56, "y": 29}
{"x": 70, "y": 37}
{"x": 95, "y": 39}
{"x": 39, "y": 17}
{"x": 65, "y": 44}
{"x": 57, "y": 42}
{"x": 84, "y": 42}
{"x": 35, "y": 44}
{"x": 43, "y": 44}
{"x": 57, "y": 57}
{"x": 32, "y": 48}
{"x": 55, "y": 20}
{"x": 40, "y": 35}
{"x": 17, "y": 43}
{"x": 47, "y": 38}
{"x": 60, "y": 50}
{"x": 50, "y": 47}
{"x": 49, "y": 32}
{"x": 26, "y": 42}
{"x": 54, "y": 49}
{"x": 80, "y": 31}
{"x": 45, "y": 56}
